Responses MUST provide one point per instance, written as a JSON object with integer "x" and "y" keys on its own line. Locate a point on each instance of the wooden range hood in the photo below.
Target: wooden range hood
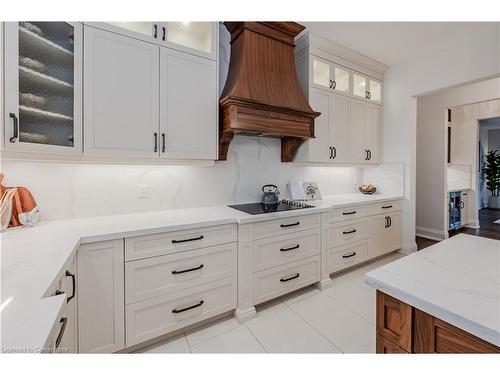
{"x": 262, "y": 95}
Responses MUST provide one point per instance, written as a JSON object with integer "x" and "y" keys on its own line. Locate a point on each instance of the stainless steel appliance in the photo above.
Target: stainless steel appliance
{"x": 455, "y": 206}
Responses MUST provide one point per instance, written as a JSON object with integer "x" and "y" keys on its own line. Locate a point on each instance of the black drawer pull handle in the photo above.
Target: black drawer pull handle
{"x": 156, "y": 142}
{"x": 177, "y": 311}
{"x": 290, "y": 225}
{"x": 64, "y": 322}
{"x": 188, "y": 239}
{"x": 290, "y": 248}
{"x": 284, "y": 280}
{"x": 73, "y": 281}
{"x": 350, "y": 231}
{"x": 175, "y": 272}
{"x": 349, "y": 255}
{"x": 15, "y": 134}
{"x": 349, "y": 213}
{"x": 384, "y": 207}
{"x": 163, "y": 142}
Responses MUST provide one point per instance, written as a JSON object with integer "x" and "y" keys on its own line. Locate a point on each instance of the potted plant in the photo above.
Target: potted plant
{"x": 491, "y": 172}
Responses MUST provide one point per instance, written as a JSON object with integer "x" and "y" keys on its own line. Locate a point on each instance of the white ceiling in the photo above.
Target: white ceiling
{"x": 392, "y": 43}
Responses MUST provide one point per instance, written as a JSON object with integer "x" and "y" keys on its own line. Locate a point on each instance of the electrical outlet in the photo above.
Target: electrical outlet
{"x": 142, "y": 191}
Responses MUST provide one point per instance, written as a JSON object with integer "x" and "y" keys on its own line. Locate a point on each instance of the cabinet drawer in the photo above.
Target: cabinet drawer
{"x": 155, "y": 317}
{"x": 347, "y": 232}
{"x": 348, "y": 213}
{"x": 275, "y": 251}
{"x": 288, "y": 225}
{"x": 280, "y": 280}
{"x": 385, "y": 346}
{"x": 347, "y": 256}
{"x": 394, "y": 320}
{"x": 380, "y": 208}
{"x": 177, "y": 241}
{"x": 153, "y": 277}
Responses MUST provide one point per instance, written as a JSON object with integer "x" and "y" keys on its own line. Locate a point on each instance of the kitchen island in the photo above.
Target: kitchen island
{"x": 443, "y": 299}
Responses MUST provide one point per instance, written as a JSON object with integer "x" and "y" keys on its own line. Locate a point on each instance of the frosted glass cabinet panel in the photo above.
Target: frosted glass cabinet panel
{"x": 359, "y": 86}
{"x": 43, "y": 86}
{"x": 195, "y": 35}
{"x": 146, "y": 28}
{"x": 322, "y": 74}
{"x": 342, "y": 78}
{"x": 375, "y": 91}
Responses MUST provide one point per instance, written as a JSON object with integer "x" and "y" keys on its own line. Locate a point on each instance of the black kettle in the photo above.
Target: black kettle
{"x": 271, "y": 195}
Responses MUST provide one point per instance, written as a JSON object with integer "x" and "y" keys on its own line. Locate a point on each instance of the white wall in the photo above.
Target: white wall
{"x": 85, "y": 190}
{"x": 470, "y": 57}
{"x": 431, "y": 178}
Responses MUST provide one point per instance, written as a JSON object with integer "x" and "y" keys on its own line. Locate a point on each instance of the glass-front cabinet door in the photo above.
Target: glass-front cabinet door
{"x": 375, "y": 91}
{"x": 195, "y": 37}
{"x": 359, "y": 86}
{"x": 322, "y": 73}
{"x": 43, "y": 77}
{"x": 341, "y": 79}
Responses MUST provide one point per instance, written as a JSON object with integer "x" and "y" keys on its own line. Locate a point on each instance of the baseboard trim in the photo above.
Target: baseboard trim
{"x": 431, "y": 234}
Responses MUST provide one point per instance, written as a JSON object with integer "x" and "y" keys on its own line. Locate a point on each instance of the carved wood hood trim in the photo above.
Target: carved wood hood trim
{"x": 262, "y": 95}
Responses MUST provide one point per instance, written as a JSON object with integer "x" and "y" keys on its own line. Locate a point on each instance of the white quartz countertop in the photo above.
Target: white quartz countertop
{"x": 33, "y": 259}
{"x": 456, "y": 280}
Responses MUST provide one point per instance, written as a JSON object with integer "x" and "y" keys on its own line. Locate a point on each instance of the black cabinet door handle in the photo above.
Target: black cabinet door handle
{"x": 369, "y": 154}
{"x": 334, "y": 85}
{"x": 175, "y": 272}
{"x": 331, "y": 152}
{"x": 349, "y": 213}
{"x": 164, "y": 33}
{"x": 290, "y": 225}
{"x": 349, "y": 255}
{"x": 156, "y": 142}
{"x": 163, "y": 147}
{"x": 290, "y": 248}
{"x": 334, "y": 152}
{"x": 285, "y": 279}
{"x": 366, "y": 154}
{"x": 155, "y": 35}
{"x": 177, "y": 311}
{"x": 189, "y": 239}
{"x": 73, "y": 282}
{"x": 331, "y": 84}
{"x": 386, "y": 222}
{"x": 384, "y": 207}
{"x": 350, "y": 231}
{"x": 64, "y": 322}
{"x": 15, "y": 134}
{"x": 366, "y": 94}
{"x": 390, "y": 221}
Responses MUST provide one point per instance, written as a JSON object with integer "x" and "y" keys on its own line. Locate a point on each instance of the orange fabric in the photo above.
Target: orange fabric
{"x": 22, "y": 201}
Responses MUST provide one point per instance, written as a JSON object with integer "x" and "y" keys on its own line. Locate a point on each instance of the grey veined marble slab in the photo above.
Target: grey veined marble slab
{"x": 456, "y": 280}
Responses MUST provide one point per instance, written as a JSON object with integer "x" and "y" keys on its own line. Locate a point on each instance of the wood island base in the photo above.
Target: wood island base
{"x": 402, "y": 328}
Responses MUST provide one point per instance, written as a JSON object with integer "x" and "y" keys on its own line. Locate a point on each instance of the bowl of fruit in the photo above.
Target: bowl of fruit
{"x": 367, "y": 189}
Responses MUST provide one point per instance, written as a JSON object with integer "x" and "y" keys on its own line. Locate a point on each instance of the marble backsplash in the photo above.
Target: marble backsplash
{"x": 84, "y": 190}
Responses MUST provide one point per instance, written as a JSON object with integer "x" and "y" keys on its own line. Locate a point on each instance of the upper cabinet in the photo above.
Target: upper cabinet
{"x": 198, "y": 38}
{"x": 346, "y": 87}
{"x": 146, "y": 101}
{"x": 43, "y": 86}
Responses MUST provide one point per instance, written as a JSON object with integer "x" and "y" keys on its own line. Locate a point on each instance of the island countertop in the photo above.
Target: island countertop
{"x": 456, "y": 280}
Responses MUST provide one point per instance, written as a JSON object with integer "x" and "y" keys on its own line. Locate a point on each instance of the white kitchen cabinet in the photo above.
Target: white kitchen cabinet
{"x": 188, "y": 106}
{"x": 101, "y": 297}
{"x": 330, "y": 77}
{"x": 386, "y": 233}
{"x": 43, "y": 85}
{"x": 331, "y": 129}
{"x": 359, "y": 85}
{"x": 121, "y": 85}
{"x": 365, "y": 132}
{"x": 69, "y": 339}
{"x": 198, "y": 38}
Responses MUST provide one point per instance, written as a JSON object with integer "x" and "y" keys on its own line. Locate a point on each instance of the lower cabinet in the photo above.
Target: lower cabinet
{"x": 158, "y": 316}
{"x": 101, "y": 317}
{"x": 386, "y": 233}
{"x": 69, "y": 336}
{"x": 402, "y": 328}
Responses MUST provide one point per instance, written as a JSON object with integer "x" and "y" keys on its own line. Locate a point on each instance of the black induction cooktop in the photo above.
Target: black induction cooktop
{"x": 260, "y": 208}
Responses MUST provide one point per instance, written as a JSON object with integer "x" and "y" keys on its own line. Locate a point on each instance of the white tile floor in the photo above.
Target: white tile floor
{"x": 339, "y": 319}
